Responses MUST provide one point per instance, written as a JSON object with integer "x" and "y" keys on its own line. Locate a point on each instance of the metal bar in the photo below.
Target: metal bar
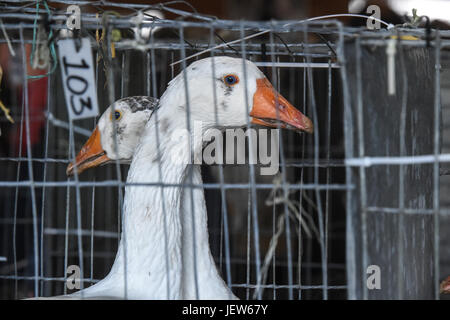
{"x": 413, "y": 211}
{"x": 284, "y": 183}
{"x": 437, "y": 137}
{"x": 166, "y": 256}
{"x": 406, "y": 160}
{"x": 30, "y": 169}
{"x": 249, "y": 242}
{"x": 297, "y": 64}
{"x": 362, "y": 171}
{"x": 237, "y": 285}
{"x": 224, "y": 210}
{"x": 82, "y": 232}
{"x": 302, "y": 174}
{"x": 401, "y": 193}
{"x": 43, "y": 188}
{"x": 111, "y": 98}
{"x": 16, "y": 199}
{"x": 251, "y": 167}
{"x": 349, "y": 153}
{"x": 323, "y": 163}
{"x": 192, "y": 155}
{"x": 303, "y": 287}
{"x": 78, "y": 206}
{"x": 63, "y": 124}
{"x": 328, "y": 175}
{"x": 67, "y": 222}
{"x": 92, "y": 231}
{"x": 323, "y": 247}
{"x": 109, "y": 183}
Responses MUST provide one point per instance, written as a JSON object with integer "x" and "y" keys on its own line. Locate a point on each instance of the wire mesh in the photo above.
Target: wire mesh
{"x": 303, "y": 234}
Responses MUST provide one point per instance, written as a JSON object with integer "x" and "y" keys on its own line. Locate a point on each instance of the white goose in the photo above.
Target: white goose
{"x": 149, "y": 263}
{"x": 131, "y": 114}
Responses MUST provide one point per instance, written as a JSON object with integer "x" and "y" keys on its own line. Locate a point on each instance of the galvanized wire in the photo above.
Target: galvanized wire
{"x": 314, "y": 164}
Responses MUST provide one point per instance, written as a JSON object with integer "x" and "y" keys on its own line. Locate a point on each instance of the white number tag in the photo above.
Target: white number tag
{"x": 77, "y": 70}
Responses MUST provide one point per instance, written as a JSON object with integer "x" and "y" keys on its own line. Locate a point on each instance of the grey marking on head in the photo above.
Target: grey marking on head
{"x": 224, "y": 105}
{"x": 118, "y": 133}
{"x": 120, "y": 130}
{"x": 140, "y": 103}
{"x": 227, "y": 89}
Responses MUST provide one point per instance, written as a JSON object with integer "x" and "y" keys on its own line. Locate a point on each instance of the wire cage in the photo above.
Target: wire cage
{"x": 363, "y": 190}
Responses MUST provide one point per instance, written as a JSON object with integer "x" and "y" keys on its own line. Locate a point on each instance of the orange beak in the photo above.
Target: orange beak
{"x": 271, "y": 109}
{"x": 90, "y": 155}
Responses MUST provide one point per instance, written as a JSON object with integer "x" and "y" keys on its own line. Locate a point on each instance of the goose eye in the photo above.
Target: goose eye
{"x": 117, "y": 115}
{"x": 230, "y": 79}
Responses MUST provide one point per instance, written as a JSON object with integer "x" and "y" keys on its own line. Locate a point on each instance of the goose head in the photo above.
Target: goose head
{"x": 220, "y": 89}
{"x": 130, "y": 116}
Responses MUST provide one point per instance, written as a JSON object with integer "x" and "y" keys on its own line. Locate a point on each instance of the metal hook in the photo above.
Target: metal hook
{"x": 77, "y": 39}
{"x": 427, "y": 30}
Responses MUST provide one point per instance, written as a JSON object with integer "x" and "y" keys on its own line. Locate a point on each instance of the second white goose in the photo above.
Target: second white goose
{"x": 131, "y": 114}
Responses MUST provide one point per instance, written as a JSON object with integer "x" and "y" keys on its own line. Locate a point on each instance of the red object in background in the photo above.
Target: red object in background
{"x": 445, "y": 286}
{"x": 37, "y": 102}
